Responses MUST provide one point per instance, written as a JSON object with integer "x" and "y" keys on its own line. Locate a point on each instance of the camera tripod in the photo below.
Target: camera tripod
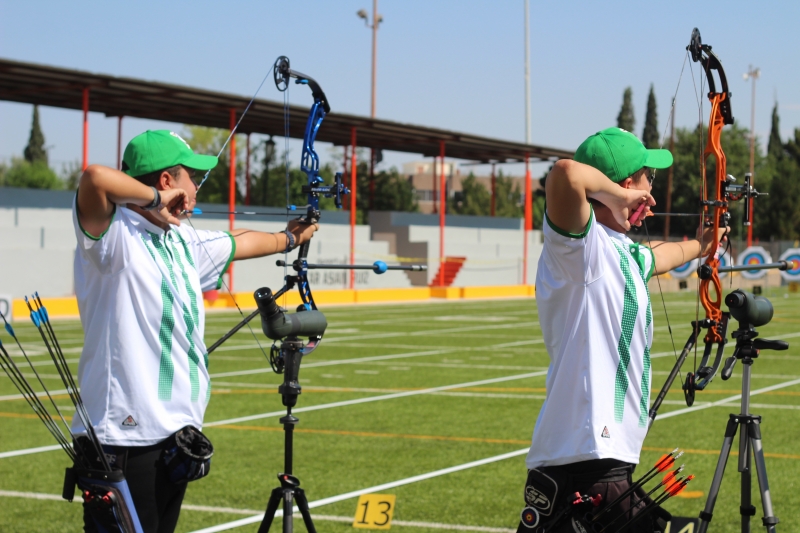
{"x": 289, "y": 491}
{"x": 747, "y": 350}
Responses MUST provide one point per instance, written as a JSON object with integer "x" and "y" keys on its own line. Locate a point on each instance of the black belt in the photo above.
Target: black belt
{"x": 595, "y": 471}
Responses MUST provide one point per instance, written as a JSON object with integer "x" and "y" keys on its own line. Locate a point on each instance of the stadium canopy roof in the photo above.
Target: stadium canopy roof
{"x": 116, "y": 96}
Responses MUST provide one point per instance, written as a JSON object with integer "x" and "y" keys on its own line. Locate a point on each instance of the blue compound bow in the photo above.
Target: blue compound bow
{"x": 314, "y": 189}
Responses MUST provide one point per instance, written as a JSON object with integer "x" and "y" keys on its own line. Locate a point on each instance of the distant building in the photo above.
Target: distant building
{"x": 421, "y": 176}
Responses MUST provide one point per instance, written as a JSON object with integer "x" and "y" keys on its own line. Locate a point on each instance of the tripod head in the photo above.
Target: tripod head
{"x": 751, "y": 311}
{"x": 287, "y": 328}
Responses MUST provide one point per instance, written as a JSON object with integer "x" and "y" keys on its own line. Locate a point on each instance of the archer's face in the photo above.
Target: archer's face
{"x": 186, "y": 181}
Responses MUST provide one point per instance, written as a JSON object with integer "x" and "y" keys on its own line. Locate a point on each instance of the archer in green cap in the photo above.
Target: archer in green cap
{"x": 140, "y": 278}
{"x": 597, "y": 324}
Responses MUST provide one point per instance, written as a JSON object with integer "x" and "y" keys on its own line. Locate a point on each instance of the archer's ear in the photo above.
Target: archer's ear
{"x": 626, "y": 183}
{"x": 165, "y": 181}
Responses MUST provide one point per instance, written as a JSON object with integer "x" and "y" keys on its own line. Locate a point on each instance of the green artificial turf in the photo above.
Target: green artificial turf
{"x": 389, "y": 357}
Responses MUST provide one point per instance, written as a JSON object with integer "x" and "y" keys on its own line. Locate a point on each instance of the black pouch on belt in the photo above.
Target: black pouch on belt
{"x": 187, "y": 455}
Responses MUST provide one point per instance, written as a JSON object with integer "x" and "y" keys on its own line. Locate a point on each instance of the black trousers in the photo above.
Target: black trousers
{"x": 156, "y": 498}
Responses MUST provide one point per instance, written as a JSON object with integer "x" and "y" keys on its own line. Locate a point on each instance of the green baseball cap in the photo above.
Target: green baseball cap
{"x": 156, "y": 150}
{"x": 618, "y": 154}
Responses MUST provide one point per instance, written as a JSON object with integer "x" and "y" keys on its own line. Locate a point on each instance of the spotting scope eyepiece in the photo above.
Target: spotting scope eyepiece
{"x": 278, "y": 325}
{"x": 747, "y": 308}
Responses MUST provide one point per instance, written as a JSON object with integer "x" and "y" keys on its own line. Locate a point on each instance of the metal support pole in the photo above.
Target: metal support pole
{"x": 345, "y": 206}
{"x": 528, "y": 220}
{"x": 435, "y": 197}
{"x": 375, "y": 23}
{"x": 353, "y": 168}
{"x": 232, "y": 189}
{"x": 371, "y": 178}
{"x": 442, "y": 211}
{"x": 85, "y": 128}
{"x": 752, "y": 74}
{"x": 247, "y": 174}
{"x": 119, "y": 142}
{"x": 494, "y": 189}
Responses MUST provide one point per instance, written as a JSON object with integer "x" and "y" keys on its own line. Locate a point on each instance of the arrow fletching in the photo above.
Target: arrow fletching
{"x": 677, "y": 488}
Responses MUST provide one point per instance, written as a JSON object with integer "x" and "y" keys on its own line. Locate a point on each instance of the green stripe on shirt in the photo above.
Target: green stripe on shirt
{"x": 166, "y": 371}
{"x": 629, "y": 311}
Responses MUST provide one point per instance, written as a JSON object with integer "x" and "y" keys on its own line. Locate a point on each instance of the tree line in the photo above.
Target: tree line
{"x": 776, "y": 172}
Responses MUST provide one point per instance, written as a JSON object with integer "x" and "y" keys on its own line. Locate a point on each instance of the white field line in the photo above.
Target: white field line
{"x": 39, "y": 394}
{"x": 727, "y": 401}
{"x": 729, "y": 346}
{"x": 29, "y": 451}
{"x": 734, "y": 376}
{"x": 357, "y": 360}
{"x": 495, "y": 395}
{"x": 316, "y": 517}
{"x": 79, "y": 349}
{"x": 335, "y": 362}
{"x": 325, "y": 501}
{"x": 733, "y": 404}
{"x": 369, "y": 490}
{"x": 396, "y": 308}
{"x": 468, "y": 329}
{"x": 370, "y": 399}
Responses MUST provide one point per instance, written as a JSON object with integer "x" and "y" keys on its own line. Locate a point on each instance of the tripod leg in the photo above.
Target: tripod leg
{"x": 754, "y": 429}
{"x": 272, "y": 506}
{"x": 288, "y": 508}
{"x": 302, "y": 504}
{"x": 713, "y": 492}
{"x": 746, "y": 508}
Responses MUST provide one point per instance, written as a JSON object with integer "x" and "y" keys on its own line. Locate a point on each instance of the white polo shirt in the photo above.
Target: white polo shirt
{"x": 143, "y": 371}
{"x": 594, "y": 310}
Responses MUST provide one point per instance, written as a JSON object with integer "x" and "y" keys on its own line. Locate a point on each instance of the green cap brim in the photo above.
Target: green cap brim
{"x": 658, "y": 159}
{"x": 207, "y": 162}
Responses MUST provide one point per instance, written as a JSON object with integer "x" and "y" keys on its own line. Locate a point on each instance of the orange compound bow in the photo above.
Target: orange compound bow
{"x": 714, "y": 215}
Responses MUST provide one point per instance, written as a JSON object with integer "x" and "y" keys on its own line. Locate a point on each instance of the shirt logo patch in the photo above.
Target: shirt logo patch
{"x": 129, "y": 422}
{"x": 605, "y": 434}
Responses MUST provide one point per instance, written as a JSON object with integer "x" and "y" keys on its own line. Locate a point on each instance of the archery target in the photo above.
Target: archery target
{"x": 685, "y": 270}
{"x": 792, "y": 254}
{"x": 754, "y": 255}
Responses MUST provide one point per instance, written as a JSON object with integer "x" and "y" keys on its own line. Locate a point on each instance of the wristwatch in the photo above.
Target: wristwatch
{"x": 156, "y": 200}
{"x": 289, "y": 241}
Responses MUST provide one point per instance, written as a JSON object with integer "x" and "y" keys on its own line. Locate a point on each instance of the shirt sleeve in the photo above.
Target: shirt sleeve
{"x": 212, "y": 252}
{"x": 573, "y": 257}
{"x": 105, "y": 251}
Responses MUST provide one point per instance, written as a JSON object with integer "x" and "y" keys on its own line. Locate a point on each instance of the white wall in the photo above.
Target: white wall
{"x": 37, "y": 249}
{"x": 494, "y": 256}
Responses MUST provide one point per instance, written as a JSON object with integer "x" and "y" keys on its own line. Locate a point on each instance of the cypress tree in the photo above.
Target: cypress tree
{"x": 625, "y": 119}
{"x": 775, "y": 146}
{"x": 35, "y": 151}
{"x": 650, "y": 133}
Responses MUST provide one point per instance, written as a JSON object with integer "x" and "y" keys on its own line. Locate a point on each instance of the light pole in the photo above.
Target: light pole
{"x": 527, "y": 76}
{"x": 752, "y": 74}
{"x": 376, "y": 22}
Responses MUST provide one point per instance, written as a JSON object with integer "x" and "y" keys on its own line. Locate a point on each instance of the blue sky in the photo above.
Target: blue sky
{"x": 450, "y": 64}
